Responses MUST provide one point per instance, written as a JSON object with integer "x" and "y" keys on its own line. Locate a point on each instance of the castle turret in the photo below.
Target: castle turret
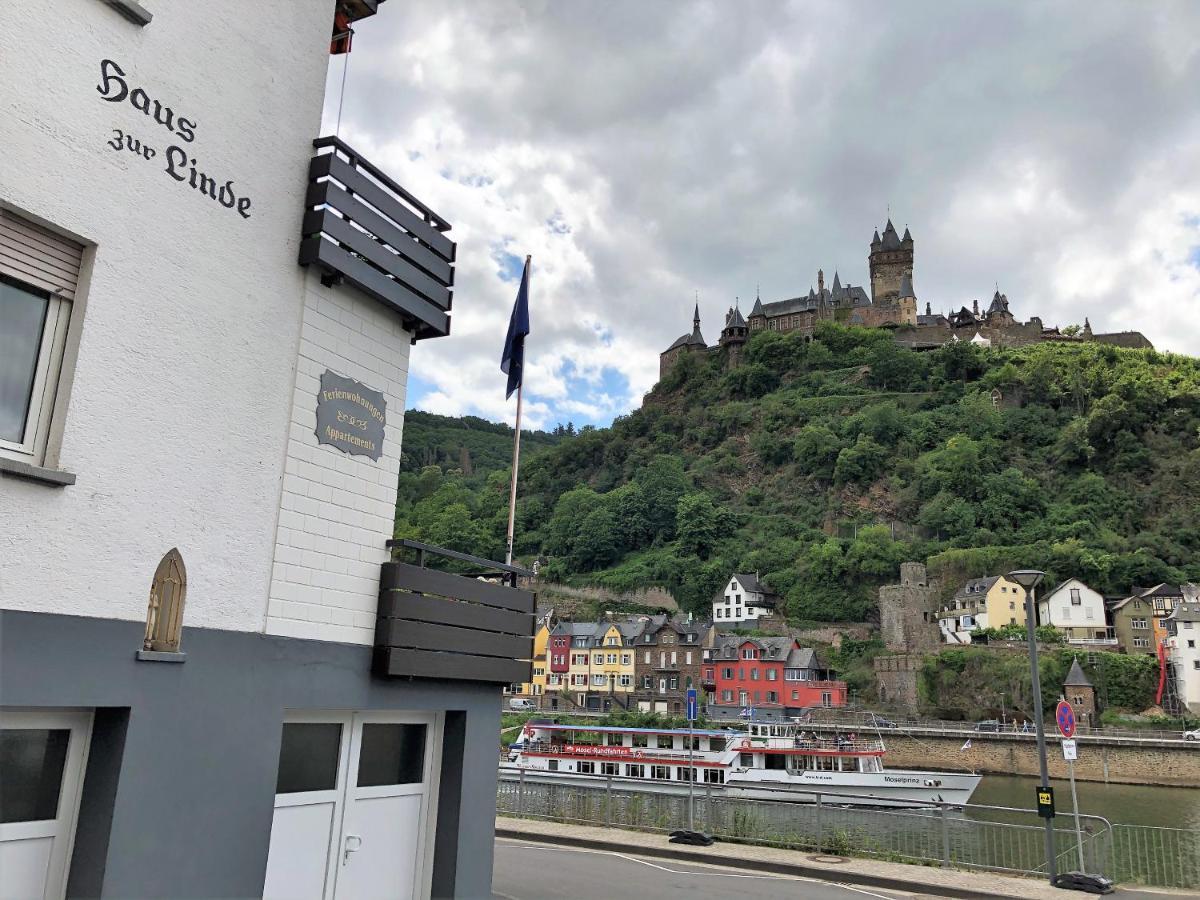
{"x": 889, "y": 260}
{"x": 820, "y": 281}
{"x": 733, "y": 335}
{"x": 906, "y": 301}
{"x": 758, "y": 316}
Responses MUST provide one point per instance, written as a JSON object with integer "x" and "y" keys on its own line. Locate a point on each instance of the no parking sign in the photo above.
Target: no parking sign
{"x": 1066, "y": 719}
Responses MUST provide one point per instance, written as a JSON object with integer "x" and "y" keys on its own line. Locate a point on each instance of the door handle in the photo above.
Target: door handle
{"x": 352, "y": 844}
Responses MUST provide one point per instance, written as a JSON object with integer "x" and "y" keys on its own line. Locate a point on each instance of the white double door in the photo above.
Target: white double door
{"x": 355, "y": 806}
{"x": 42, "y": 757}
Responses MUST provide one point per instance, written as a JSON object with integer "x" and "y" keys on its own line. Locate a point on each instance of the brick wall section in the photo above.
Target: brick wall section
{"x": 337, "y": 509}
{"x": 1017, "y": 755}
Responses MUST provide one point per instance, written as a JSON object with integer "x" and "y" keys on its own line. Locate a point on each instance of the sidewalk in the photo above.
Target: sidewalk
{"x": 867, "y": 872}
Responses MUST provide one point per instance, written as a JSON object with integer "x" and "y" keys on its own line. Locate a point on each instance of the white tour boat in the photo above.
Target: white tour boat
{"x": 778, "y": 761}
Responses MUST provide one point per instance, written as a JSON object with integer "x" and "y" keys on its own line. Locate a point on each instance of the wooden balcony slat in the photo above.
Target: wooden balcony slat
{"x": 431, "y": 581}
{"x": 456, "y": 666}
{"x": 397, "y": 604}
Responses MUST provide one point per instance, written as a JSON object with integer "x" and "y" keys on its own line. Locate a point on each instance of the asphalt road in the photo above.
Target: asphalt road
{"x": 525, "y": 871}
{"x": 528, "y": 871}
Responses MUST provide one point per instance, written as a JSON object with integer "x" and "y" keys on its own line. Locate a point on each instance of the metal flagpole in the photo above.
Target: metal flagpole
{"x": 512, "y": 493}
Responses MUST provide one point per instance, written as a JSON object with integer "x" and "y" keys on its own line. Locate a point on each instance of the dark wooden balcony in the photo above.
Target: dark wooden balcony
{"x": 434, "y": 624}
{"x": 363, "y": 229}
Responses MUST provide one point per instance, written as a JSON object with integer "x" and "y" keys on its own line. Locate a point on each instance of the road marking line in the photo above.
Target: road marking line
{"x": 858, "y": 890}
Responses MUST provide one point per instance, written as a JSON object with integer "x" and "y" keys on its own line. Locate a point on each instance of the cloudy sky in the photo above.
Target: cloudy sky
{"x": 644, "y": 152}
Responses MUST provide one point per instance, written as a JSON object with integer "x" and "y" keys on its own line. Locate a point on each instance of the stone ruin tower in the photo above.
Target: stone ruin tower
{"x": 908, "y": 622}
{"x": 908, "y": 612}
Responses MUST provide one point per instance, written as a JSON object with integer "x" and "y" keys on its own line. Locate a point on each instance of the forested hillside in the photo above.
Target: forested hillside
{"x": 468, "y": 443}
{"x": 823, "y": 464}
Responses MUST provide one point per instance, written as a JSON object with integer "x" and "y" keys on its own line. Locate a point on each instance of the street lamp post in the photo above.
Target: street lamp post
{"x": 1029, "y": 579}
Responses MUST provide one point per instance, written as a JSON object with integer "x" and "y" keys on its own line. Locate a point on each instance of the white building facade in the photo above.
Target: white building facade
{"x": 1183, "y": 653}
{"x": 1078, "y": 611}
{"x": 744, "y": 599}
{"x": 204, "y": 347}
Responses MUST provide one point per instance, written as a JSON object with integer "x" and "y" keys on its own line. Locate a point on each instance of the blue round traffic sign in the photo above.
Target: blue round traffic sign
{"x": 1066, "y": 718}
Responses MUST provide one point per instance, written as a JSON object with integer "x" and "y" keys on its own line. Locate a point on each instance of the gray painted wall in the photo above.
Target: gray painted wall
{"x": 189, "y": 787}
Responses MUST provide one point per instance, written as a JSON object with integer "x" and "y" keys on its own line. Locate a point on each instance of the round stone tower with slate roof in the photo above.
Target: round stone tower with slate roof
{"x": 685, "y": 343}
{"x": 890, "y": 260}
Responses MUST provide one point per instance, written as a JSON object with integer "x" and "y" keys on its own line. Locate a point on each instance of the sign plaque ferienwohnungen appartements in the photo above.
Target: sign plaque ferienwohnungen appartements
{"x": 350, "y": 416}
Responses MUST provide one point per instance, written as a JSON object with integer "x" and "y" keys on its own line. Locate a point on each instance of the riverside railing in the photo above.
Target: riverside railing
{"x": 862, "y": 722}
{"x": 976, "y": 836}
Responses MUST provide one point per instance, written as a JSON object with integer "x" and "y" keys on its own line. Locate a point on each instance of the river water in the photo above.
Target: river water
{"x": 1128, "y": 804}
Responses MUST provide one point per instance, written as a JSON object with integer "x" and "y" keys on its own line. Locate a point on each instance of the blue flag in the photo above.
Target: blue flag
{"x": 512, "y": 362}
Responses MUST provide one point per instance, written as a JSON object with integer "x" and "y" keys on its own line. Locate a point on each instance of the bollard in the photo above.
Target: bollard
{"x": 708, "y": 806}
{"x": 945, "y": 837}
{"x": 521, "y": 794}
{"x": 608, "y": 801}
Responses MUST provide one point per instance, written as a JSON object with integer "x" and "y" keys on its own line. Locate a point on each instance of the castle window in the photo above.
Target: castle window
{"x": 164, "y": 615}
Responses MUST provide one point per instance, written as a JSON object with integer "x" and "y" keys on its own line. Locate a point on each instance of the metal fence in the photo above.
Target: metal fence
{"x": 862, "y": 720}
{"x": 974, "y": 837}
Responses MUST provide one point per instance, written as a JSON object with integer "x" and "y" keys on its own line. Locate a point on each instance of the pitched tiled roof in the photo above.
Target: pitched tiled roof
{"x": 976, "y": 587}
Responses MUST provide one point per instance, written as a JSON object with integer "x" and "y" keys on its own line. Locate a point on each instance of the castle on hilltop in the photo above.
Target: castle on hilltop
{"x": 892, "y": 304}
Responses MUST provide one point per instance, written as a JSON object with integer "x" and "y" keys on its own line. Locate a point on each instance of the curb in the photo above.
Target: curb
{"x": 774, "y": 868}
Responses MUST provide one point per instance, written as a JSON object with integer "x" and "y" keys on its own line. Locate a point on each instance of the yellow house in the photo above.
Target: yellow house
{"x": 991, "y": 602}
{"x": 541, "y": 638}
{"x": 612, "y": 658}
{"x": 537, "y": 686}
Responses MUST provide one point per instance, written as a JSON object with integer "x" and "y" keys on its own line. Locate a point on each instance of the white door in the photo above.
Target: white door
{"x": 355, "y": 806}
{"x": 42, "y": 755}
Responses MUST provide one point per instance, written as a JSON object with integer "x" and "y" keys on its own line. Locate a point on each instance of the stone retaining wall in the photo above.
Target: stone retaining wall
{"x": 1152, "y": 763}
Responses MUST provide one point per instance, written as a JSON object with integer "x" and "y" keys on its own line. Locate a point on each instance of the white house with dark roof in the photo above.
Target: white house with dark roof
{"x": 744, "y": 599}
{"x": 1078, "y": 611}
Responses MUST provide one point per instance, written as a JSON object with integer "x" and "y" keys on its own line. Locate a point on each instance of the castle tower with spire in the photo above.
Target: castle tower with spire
{"x": 891, "y": 258}
{"x": 685, "y": 343}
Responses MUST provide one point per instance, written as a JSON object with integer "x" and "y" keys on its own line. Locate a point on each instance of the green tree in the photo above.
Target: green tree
{"x": 700, "y": 525}
{"x": 861, "y": 463}
{"x": 663, "y": 482}
{"x": 816, "y": 450}
{"x": 597, "y": 541}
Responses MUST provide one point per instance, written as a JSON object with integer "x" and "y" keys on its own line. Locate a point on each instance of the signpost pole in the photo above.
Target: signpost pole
{"x": 691, "y": 714}
{"x": 1075, "y": 808}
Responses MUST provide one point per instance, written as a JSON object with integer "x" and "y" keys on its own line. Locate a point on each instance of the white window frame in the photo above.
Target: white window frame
{"x": 46, "y": 381}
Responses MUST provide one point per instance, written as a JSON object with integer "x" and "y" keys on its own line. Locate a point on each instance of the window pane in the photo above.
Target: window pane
{"x": 391, "y": 754}
{"x": 22, "y": 318}
{"x": 31, "y": 771}
{"x": 308, "y": 757}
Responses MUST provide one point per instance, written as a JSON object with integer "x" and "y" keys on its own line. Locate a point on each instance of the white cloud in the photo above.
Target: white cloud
{"x": 642, "y": 152}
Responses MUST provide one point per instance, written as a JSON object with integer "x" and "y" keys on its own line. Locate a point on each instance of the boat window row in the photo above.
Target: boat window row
{"x": 664, "y": 741}
{"x": 799, "y": 762}
{"x": 643, "y": 771}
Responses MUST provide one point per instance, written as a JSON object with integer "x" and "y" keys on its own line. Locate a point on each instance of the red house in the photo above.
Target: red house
{"x": 768, "y": 673}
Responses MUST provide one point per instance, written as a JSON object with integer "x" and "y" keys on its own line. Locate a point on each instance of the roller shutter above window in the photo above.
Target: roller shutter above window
{"x": 38, "y": 257}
